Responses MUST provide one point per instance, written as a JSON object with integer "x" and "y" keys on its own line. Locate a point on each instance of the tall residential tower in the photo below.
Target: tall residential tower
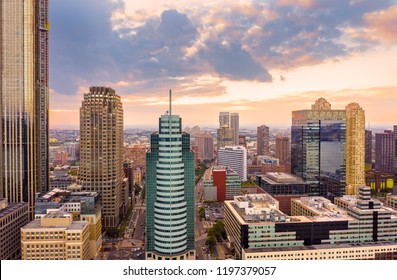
{"x": 235, "y": 125}
{"x": 101, "y": 157}
{"x": 262, "y": 140}
{"x": 24, "y": 100}
{"x": 170, "y": 192}
{"x": 355, "y": 148}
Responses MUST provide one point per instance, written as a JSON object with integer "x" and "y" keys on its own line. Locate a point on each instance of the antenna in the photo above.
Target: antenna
{"x": 170, "y": 102}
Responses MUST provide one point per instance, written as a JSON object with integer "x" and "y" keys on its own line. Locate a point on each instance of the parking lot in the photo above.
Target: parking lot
{"x": 213, "y": 211}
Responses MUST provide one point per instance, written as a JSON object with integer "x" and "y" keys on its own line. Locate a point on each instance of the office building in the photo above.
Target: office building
{"x": 355, "y": 148}
{"x": 129, "y": 174}
{"x": 242, "y": 141}
{"x": 205, "y": 146}
{"x": 368, "y": 150}
{"x": 379, "y": 182}
{"x": 282, "y": 149}
{"x": 55, "y": 237}
{"x": 225, "y": 137}
{"x": 13, "y": 216}
{"x": 318, "y": 148}
{"x": 234, "y": 157}
{"x": 101, "y": 144}
{"x": 24, "y": 100}
{"x": 384, "y": 151}
{"x": 170, "y": 192}
{"x": 395, "y": 150}
{"x": 262, "y": 140}
{"x": 259, "y": 230}
{"x": 224, "y": 119}
{"x": 83, "y": 206}
{"x": 235, "y": 125}
{"x": 195, "y": 130}
{"x": 225, "y": 182}
{"x": 276, "y": 183}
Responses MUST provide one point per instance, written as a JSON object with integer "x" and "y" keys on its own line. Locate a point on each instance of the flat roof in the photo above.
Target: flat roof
{"x": 11, "y": 207}
{"x": 319, "y": 247}
{"x": 280, "y": 178}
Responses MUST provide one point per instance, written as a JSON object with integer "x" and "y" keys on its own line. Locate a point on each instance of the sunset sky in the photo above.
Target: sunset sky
{"x": 261, "y": 59}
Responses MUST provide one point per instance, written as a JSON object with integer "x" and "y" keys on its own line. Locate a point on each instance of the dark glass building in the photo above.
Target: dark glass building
{"x": 318, "y": 148}
{"x": 24, "y": 100}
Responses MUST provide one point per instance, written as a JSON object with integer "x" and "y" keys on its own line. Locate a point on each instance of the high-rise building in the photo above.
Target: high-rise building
{"x": 129, "y": 174}
{"x": 24, "y": 100}
{"x": 384, "y": 151}
{"x": 224, "y": 119}
{"x": 225, "y": 137}
{"x": 234, "y": 157}
{"x": 13, "y": 216}
{"x": 101, "y": 144}
{"x": 395, "y": 150}
{"x": 235, "y": 125}
{"x": 355, "y": 148}
{"x": 318, "y": 148}
{"x": 282, "y": 148}
{"x": 195, "y": 130}
{"x": 368, "y": 149}
{"x": 170, "y": 192}
{"x": 205, "y": 143}
{"x": 262, "y": 140}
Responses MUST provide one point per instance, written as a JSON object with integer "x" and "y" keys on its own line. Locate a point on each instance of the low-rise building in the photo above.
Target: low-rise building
{"x": 83, "y": 206}
{"x": 13, "y": 216}
{"x": 224, "y": 180}
{"x": 55, "y": 236}
{"x": 315, "y": 224}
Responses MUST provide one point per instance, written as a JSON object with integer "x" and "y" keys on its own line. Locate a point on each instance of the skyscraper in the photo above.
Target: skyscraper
{"x": 225, "y": 137}
{"x": 318, "y": 148}
{"x": 368, "y": 149}
{"x": 355, "y": 148}
{"x": 170, "y": 192}
{"x": 282, "y": 148}
{"x": 262, "y": 140}
{"x": 24, "y": 100}
{"x": 384, "y": 151}
{"x": 224, "y": 119}
{"x": 395, "y": 150}
{"x": 101, "y": 144}
{"x": 205, "y": 145}
{"x": 234, "y": 157}
{"x": 235, "y": 125}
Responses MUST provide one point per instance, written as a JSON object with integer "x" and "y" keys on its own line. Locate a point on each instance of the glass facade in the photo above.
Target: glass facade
{"x": 24, "y": 100}
{"x": 170, "y": 190}
{"x": 318, "y": 150}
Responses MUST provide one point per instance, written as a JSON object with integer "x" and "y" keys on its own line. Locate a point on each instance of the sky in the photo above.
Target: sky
{"x": 261, "y": 59}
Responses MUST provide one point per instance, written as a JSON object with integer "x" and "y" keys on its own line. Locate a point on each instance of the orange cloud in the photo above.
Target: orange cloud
{"x": 383, "y": 24}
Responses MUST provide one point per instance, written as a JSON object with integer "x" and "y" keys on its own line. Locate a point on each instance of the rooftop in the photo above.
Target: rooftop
{"x": 281, "y": 178}
{"x": 324, "y": 209}
{"x": 319, "y": 247}
{"x": 8, "y": 208}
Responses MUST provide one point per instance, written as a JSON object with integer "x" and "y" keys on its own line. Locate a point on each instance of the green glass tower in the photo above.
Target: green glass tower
{"x": 170, "y": 192}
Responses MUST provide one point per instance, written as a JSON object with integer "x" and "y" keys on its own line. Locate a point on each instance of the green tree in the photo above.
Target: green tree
{"x": 211, "y": 241}
{"x": 201, "y": 212}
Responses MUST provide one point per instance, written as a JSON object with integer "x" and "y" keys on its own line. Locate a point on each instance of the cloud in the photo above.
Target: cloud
{"x": 383, "y": 24}
{"x": 153, "y": 48}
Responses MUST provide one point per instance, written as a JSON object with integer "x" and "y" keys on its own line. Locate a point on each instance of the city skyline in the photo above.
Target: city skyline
{"x": 283, "y": 54}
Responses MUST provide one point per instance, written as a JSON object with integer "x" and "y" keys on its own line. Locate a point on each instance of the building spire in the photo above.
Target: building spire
{"x": 170, "y": 102}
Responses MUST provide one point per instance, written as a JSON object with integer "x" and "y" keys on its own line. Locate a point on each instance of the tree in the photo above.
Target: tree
{"x": 210, "y": 241}
{"x": 201, "y": 212}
